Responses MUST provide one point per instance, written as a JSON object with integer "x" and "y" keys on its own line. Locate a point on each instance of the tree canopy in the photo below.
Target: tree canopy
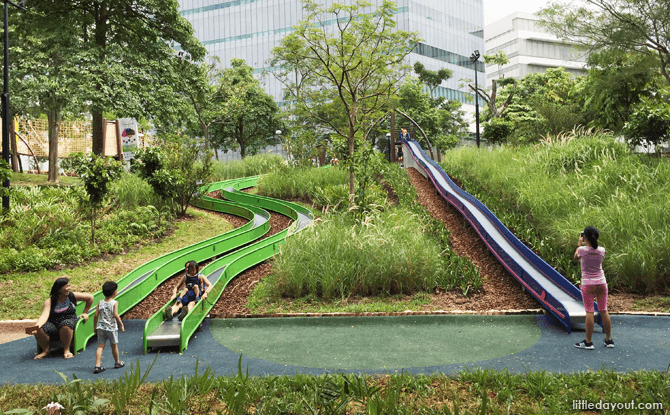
{"x": 636, "y": 26}
{"x": 246, "y": 116}
{"x": 128, "y": 45}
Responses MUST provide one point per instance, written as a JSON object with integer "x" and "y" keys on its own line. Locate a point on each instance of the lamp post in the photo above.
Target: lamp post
{"x": 388, "y": 138}
{"x": 473, "y": 58}
{"x": 5, "y": 101}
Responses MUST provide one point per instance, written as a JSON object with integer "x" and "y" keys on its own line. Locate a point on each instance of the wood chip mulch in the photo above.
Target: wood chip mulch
{"x": 500, "y": 290}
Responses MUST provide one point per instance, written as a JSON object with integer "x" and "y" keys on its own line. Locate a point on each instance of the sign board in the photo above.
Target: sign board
{"x": 129, "y": 137}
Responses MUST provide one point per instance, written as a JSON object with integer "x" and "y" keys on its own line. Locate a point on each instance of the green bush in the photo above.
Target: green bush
{"x": 497, "y": 131}
{"x": 385, "y": 254}
{"x": 45, "y": 228}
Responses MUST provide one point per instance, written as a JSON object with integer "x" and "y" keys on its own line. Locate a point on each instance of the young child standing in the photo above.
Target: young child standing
{"x": 107, "y": 323}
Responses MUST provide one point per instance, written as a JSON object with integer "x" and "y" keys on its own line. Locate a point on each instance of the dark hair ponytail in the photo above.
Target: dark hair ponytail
{"x": 57, "y": 285}
{"x": 592, "y": 234}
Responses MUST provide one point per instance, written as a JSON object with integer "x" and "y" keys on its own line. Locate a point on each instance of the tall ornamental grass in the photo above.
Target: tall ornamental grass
{"x": 302, "y": 182}
{"x": 563, "y": 187}
{"x": 325, "y": 187}
{"x": 130, "y": 192}
{"x": 249, "y": 166}
{"x": 385, "y": 254}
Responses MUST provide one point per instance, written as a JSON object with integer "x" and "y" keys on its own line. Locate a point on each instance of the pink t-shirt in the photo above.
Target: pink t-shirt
{"x": 592, "y": 265}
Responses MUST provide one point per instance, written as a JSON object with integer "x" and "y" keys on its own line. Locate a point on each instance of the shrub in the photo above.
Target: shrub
{"x": 44, "y": 228}
{"x": 497, "y": 131}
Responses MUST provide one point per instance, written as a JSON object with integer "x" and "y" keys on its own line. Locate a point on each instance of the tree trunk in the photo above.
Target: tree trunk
{"x": 240, "y": 139}
{"x": 54, "y": 118}
{"x": 13, "y": 147}
{"x": 100, "y": 35}
{"x": 92, "y": 224}
{"x": 351, "y": 138}
{"x": 97, "y": 126}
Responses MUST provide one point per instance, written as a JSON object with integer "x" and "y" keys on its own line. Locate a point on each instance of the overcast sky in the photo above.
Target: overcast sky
{"x": 497, "y": 9}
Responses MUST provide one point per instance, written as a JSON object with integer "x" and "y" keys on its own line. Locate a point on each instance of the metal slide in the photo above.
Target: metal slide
{"x": 139, "y": 283}
{"x": 551, "y": 289}
{"x": 159, "y": 333}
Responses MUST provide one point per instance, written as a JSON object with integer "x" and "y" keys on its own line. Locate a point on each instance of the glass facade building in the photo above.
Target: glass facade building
{"x": 249, "y": 29}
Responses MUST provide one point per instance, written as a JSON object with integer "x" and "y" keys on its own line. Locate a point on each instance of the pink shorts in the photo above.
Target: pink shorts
{"x": 589, "y": 292}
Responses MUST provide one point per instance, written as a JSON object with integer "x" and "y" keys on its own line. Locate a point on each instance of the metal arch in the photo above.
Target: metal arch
{"x": 425, "y": 137}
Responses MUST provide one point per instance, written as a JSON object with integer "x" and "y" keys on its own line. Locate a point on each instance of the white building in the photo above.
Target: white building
{"x": 529, "y": 48}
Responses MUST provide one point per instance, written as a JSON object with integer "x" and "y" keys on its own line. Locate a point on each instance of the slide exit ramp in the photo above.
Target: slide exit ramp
{"x": 140, "y": 282}
{"x": 159, "y": 333}
{"x": 550, "y": 288}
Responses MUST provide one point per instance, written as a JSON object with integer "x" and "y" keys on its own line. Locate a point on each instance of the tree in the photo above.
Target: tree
{"x": 199, "y": 86}
{"x": 131, "y": 61}
{"x": 616, "y": 82}
{"x": 97, "y": 173}
{"x": 343, "y": 65}
{"x": 432, "y": 79}
{"x": 497, "y": 105}
{"x": 649, "y": 125}
{"x": 440, "y": 119}
{"x": 48, "y": 75}
{"x": 247, "y": 116}
{"x": 635, "y": 26}
{"x": 546, "y": 103}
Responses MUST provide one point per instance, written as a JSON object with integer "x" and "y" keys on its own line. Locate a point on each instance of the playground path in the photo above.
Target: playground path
{"x": 379, "y": 345}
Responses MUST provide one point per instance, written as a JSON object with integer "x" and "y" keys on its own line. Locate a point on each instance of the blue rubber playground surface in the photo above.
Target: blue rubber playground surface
{"x": 368, "y": 345}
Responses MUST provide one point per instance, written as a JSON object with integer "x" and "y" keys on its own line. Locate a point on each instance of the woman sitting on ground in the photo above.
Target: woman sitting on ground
{"x": 59, "y": 317}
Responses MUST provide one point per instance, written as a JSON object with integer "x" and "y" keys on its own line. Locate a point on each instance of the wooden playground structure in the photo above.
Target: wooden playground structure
{"x": 30, "y": 137}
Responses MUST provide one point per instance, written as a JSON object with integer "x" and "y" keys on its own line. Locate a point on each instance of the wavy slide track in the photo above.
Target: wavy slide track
{"x": 550, "y": 288}
{"x": 140, "y": 282}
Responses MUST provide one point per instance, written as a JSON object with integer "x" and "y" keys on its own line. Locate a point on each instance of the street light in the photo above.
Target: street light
{"x": 5, "y": 102}
{"x": 473, "y": 58}
{"x": 388, "y": 138}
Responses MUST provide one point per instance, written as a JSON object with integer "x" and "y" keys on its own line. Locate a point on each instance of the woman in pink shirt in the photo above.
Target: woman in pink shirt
{"x": 593, "y": 285}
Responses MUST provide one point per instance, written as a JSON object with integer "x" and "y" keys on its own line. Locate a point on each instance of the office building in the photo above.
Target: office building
{"x": 249, "y": 29}
{"x": 529, "y": 47}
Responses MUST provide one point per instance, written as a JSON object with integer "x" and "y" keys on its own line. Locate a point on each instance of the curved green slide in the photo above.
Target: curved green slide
{"x": 139, "y": 283}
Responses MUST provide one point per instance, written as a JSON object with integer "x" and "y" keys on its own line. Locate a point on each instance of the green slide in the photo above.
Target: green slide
{"x": 159, "y": 333}
{"x": 139, "y": 283}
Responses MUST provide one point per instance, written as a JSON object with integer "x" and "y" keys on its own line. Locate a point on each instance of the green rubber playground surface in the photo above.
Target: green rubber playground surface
{"x": 377, "y": 342}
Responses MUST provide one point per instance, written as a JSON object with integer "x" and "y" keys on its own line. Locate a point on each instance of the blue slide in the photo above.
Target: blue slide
{"x": 551, "y": 289}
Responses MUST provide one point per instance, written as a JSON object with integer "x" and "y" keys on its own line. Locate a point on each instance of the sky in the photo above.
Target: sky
{"x": 497, "y": 9}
